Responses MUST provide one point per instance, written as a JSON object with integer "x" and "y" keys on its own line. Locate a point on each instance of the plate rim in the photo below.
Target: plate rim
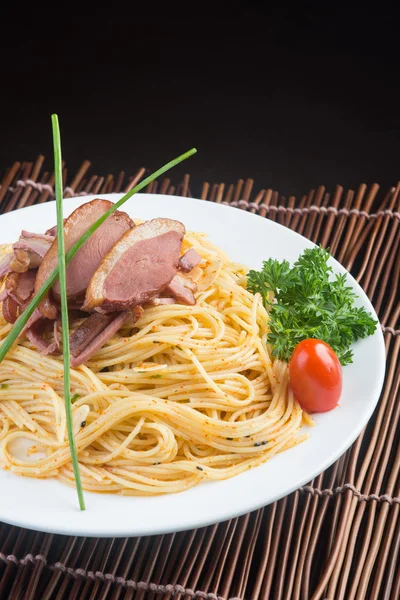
{"x": 229, "y": 513}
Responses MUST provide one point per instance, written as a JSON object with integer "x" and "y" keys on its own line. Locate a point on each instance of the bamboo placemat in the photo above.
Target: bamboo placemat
{"x": 336, "y": 538}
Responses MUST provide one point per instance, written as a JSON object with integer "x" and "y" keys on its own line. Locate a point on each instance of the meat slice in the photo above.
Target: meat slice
{"x": 5, "y": 265}
{"x": 17, "y": 292}
{"x": 42, "y": 237}
{"x": 88, "y": 258}
{"x": 35, "y": 335}
{"x": 26, "y": 285}
{"x": 138, "y": 267}
{"x": 53, "y": 230}
{"x": 182, "y": 289}
{"x": 189, "y": 260}
{"x": 29, "y": 251}
{"x": 88, "y": 330}
{"x": 111, "y": 325}
{"x": 20, "y": 286}
{"x": 20, "y": 261}
{"x": 57, "y": 339}
{"x": 10, "y": 309}
{"x": 26, "y": 254}
{"x": 34, "y": 318}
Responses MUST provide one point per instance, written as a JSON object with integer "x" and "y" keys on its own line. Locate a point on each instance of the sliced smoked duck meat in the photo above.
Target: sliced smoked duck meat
{"x": 17, "y": 292}
{"x": 36, "y": 335}
{"x": 139, "y": 266}
{"x": 20, "y": 286}
{"x": 182, "y": 289}
{"x": 104, "y": 328}
{"x": 88, "y": 258}
{"x": 189, "y": 260}
{"x": 30, "y": 250}
{"x": 5, "y": 266}
{"x": 10, "y": 309}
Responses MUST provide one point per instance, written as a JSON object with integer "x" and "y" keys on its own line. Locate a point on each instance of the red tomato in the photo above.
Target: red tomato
{"x": 315, "y": 376}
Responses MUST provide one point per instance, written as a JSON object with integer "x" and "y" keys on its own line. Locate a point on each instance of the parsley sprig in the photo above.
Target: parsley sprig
{"x": 309, "y": 302}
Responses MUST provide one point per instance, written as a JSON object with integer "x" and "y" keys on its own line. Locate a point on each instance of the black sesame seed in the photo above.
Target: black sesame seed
{"x": 264, "y": 443}
{"x": 230, "y": 439}
{"x": 257, "y": 444}
{"x": 247, "y": 436}
{"x": 83, "y": 424}
{"x": 200, "y": 468}
{"x": 155, "y": 464}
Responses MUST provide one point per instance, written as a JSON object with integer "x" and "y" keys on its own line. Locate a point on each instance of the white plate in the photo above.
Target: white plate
{"x": 51, "y": 506}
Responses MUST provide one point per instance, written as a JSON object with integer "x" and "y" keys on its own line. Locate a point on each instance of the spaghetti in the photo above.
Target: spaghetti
{"x": 190, "y": 394}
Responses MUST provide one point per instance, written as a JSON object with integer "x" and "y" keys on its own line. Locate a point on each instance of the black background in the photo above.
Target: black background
{"x": 291, "y": 97}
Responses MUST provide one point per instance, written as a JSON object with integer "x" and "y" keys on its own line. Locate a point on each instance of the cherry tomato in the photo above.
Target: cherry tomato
{"x": 315, "y": 376}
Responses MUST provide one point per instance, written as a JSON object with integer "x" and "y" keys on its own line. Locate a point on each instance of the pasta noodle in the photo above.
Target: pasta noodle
{"x": 190, "y": 394}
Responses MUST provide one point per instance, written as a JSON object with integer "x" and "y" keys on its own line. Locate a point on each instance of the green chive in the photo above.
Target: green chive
{"x": 74, "y": 398}
{"x": 4, "y": 386}
{"x": 59, "y": 271}
{"x": 158, "y": 376}
{"x": 23, "y": 319}
{"x": 58, "y": 186}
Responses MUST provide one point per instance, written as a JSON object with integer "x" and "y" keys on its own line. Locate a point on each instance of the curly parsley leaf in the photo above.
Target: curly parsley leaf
{"x": 310, "y": 303}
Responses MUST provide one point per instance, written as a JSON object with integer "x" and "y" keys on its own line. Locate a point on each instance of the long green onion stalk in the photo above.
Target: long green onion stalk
{"x": 60, "y": 271}
{"x": 58, "y": 187}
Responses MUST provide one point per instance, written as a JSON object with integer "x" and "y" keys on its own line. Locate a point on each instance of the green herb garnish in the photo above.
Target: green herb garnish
{"x": 158, "y": 376}
{"x": 4, "y": 386}
{"x": 310, "y": 304}
{"x": 58, "y": 187}
{"x": 74, "y": 398}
